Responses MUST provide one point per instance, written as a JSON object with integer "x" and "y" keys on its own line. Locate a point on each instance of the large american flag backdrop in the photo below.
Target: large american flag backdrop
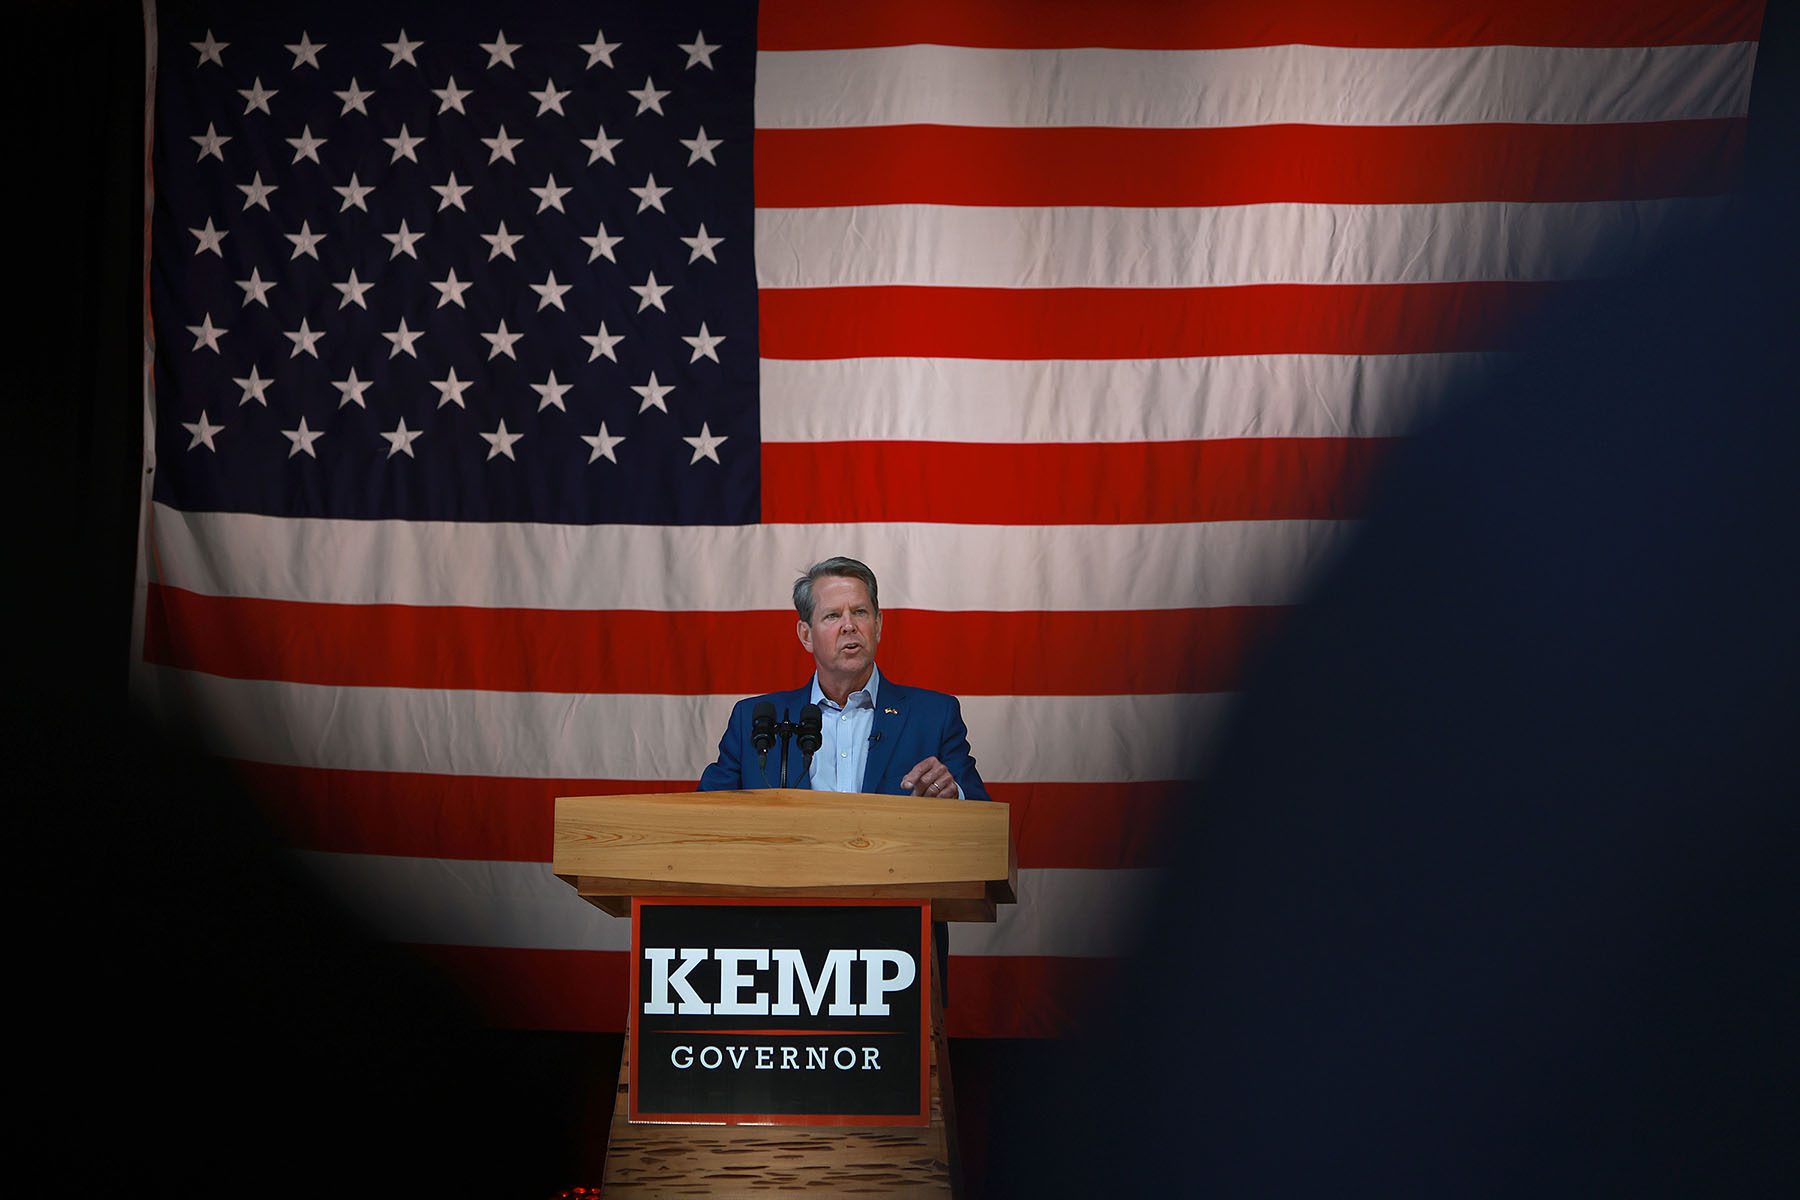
{"x": 508, "y": 361}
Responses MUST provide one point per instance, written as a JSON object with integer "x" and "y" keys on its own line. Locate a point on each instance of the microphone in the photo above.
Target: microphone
{"x": 762, "y": 732}
{"x": 874, "y": 737}
{"x": 810, "y": 735}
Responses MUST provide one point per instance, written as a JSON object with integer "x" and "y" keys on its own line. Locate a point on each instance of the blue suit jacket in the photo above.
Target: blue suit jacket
{"x": 911, "y": 724}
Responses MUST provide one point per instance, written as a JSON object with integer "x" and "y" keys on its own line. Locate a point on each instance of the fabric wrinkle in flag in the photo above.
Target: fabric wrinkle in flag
{"x": 509, "y": 364}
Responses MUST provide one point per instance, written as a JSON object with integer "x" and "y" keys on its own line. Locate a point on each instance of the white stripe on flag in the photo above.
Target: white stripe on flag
{"x": 1107, "y": 400}
{"x": 1263, "y": 85}
{"x": 652, "y": 737}
{"x": 724, "y": 568}
{"x": 938, "y": 245}
{"x": 1065, "y": 913}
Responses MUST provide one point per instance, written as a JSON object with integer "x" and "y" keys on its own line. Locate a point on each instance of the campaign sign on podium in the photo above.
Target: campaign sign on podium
{"x": 780, "y": 1012}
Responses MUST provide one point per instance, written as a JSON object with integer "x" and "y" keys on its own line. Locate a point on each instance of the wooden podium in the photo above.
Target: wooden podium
{"x": 956, "y": 856}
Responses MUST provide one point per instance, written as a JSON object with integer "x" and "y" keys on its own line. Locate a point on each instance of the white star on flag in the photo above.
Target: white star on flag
{"x": 353, "y": 289}
{"x": 501, "y": 442}
{"x": 549, "y": 100}
{"x": 405, "y": 145}
{"x": 402, "y": 51}
{"x": 599, "y": 246}
{"x": 450, "y": 193}
{"x": 256, "y": 97}
{"x": 500, "y": 51}
{"x": 501, "y": 243}
{"x": 451, "y": 289}
{"x": 698, "y": 52}
{"x": 550, "y": 195}
{"x": 702, "y": 245}
{"x": 203, "y": 429}
{"x": 305, "y": 51}
{"x": 502, "y": 147}
{"x": 705, "y": 344}
{"x": 650, "y": 196}
{"x": 655, "y": 394}
{"x": 306, "y": 145}
{"x": 550, "y": 392}
{"x": 451, "y": 97}
{"x": 550, "y": 292}
{"x": 648, "y": 98}
{"x": 400, "y": 439}
{"x": 255, "y": 388}
{"x": 211, "y": 142}
{"x": 256, "y": 289}
{"x": 600, "y": 146}
{"x": 403, "y": 241}
{"x": 351, "y": 389}
{"x": 256, "y": 192}
{"x": 706, "y": 445}
{"x": 602, "y": 343}
{"x": 451, "y": 389}
{"x": 402, "y": 340}
{"x": 599, "y": 50}
{"x": 502, "y": 342}
{"x": 603, "y": 444}
{"x": 207, "y": 334}
{"x": 305, "y": 339}
{"x": 701, "y": 147}
{"x": 305, "y": 242}
{"x": 302, "y": 439}
{"x": 650, "y": 293}
{"x": 353, "y": 193}
{"x": 212, "y": 51}
{"x": 211, "y": 238}
{"x": 353, "y": 98}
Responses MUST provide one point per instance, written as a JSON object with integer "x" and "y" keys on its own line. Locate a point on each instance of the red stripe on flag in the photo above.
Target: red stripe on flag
{"x": 1071, "y": 483}
{"x": 417, "y": 815}
{"x": 484, "y": 818}
{"x": 1095, "y": 826}
{"x": 1183, "y": 24}
{"x": 1063, "y": 323}
{"x": 1316, "y": 164}
{"x": 703, "y": 653}
{"x": 586, "y": 990}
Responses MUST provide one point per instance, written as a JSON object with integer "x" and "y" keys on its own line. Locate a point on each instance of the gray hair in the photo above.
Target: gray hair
{"x": 840, "y": 567}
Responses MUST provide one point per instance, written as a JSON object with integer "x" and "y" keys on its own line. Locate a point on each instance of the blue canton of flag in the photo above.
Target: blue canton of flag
{"x": 487, "y": 267}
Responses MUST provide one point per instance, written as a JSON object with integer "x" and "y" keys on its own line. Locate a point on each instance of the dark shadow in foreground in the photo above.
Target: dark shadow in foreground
{"x": 1494, "y": 890}
{"x": 201, "y": 1021}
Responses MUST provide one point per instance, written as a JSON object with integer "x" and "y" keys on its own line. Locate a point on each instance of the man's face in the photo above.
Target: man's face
{"x": 845, "y": 628}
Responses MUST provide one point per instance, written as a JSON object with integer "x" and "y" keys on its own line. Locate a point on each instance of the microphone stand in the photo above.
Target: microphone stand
{"x": 785, "y": 730}
{"x": 808, "y": 731}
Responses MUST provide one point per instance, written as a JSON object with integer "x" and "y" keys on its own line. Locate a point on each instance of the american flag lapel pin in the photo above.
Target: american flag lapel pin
{"x": 892, "y": 712}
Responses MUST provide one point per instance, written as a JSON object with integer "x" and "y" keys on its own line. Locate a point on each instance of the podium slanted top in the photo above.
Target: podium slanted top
{"x": 787, "y": 842}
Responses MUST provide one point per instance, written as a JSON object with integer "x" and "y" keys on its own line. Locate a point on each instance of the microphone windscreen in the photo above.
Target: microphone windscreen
{"x": 810, "y": 721}
{"x": 762, "y": 726}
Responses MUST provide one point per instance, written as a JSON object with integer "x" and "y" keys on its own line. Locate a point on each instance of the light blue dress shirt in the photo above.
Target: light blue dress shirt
{"x": 844, "y": 736}
{"x": 844, "y": 733}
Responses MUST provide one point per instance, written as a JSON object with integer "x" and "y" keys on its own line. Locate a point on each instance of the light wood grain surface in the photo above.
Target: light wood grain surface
{"x": 756, "y": 1160}
{"x": 783, "y": 839}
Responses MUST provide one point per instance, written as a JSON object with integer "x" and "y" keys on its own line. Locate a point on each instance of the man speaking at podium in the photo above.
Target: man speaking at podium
{"x": 871, "y": 734}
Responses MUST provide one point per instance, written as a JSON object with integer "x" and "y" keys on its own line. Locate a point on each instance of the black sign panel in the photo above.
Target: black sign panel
{"x": 780, "y": 1012}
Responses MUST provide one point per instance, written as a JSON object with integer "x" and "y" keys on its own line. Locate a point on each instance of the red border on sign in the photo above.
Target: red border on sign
{"x": 922, "y": 1117}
